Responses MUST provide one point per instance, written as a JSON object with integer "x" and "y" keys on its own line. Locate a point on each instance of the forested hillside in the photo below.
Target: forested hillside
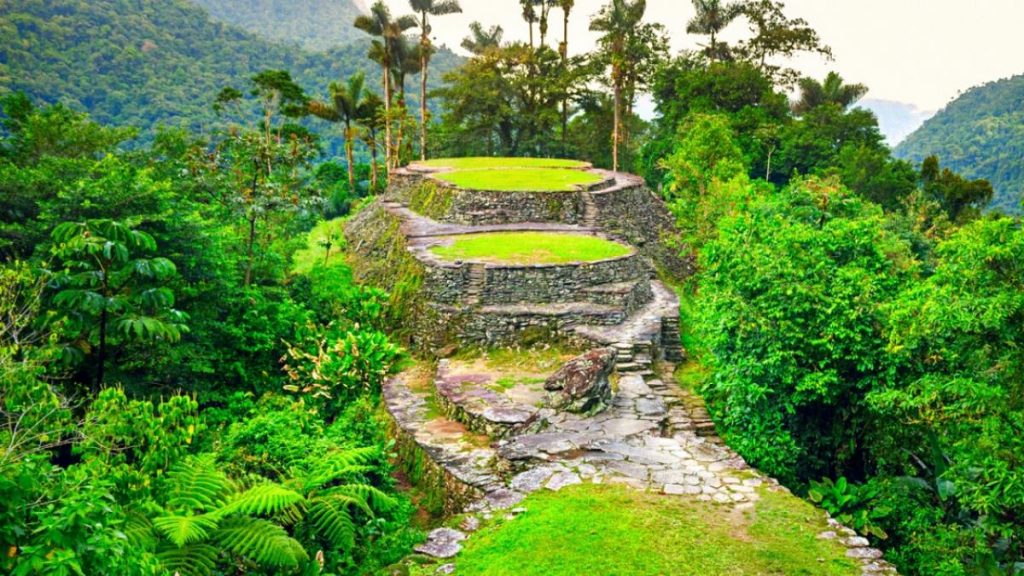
{"x": 313, "y": 24}
{"x": 151, "y": 62}
{"x": 981, "y": 135}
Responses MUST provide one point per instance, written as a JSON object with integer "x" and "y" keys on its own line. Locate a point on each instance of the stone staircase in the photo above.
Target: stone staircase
{"x": 477, "y": 283}
{"x": 590, "y": 210}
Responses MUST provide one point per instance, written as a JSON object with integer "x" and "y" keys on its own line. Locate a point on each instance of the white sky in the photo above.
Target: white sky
{"x": 922, "y": 52}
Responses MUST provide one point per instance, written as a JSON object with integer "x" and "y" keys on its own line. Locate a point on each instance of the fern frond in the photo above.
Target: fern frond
{"x": 264, "y": 500}
{"x": 368, "y": 495}
{"x": 338, "y": 465}
{"x": 139, "y": 530}
{"x": 333, "y": 522}
{"x": 190, "y": 560}
{"x": 196, "y": 484}
{"x": 182, "y": 530}
{"x": 261, "y": 541}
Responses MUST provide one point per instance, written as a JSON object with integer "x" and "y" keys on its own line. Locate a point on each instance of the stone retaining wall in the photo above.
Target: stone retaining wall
{"x": 448, "y": 283}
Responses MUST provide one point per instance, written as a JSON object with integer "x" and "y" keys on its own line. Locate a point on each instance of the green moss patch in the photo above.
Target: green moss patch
{"x": 521, "y": 248}
{"x": 474, "y": 163}
{"x": 601, "y": 530}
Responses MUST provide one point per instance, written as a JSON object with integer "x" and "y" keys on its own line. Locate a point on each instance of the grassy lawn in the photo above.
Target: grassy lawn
{"x": 606, "y": 530}
{"x": 521, "y": 179}
{"x": 487, "y": 162}
{"x": 530, "y": 248}
{"x": 315, "y": 251}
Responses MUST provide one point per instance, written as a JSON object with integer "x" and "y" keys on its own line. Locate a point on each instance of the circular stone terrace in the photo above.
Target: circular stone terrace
{"x": 479, "y": 191}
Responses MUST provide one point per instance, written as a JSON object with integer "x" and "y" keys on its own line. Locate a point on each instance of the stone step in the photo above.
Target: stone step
{"x": 468, "y": 400}
{"x": 631, "y": 295}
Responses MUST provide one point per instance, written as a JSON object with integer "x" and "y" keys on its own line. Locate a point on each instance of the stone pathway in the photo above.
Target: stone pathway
{"x": 650, "y": 439}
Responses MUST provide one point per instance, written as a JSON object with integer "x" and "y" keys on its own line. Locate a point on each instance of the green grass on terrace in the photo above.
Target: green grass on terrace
{"x": 476, "y": 163}
{"x": 521, "y": 248}
{"x": 521, "y": 179}
{"x": 608, "y": 530}
{"x": 328, "y": 232}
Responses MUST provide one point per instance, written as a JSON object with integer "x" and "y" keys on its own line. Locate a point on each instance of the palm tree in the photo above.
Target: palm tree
{"x": 712, "y": 17}
{"x": 431, "y": 8}
{"x": 563, "y": 49}
{"x": 832, "y": 91}
{"x": 530, "y": 15}
{"x": 370, "y": 117}
{"x": 344, "y": 106}
{"x": 480, "y": 40}
{"x": 617, "y": 20}
{"x": 407, "y": 60}
{"x": 380, "y": 24}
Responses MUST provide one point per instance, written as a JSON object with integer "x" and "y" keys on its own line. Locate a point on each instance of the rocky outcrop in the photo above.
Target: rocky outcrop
{"x": 583, "y": 384}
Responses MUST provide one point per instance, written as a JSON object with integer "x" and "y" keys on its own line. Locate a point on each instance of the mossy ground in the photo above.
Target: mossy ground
{"x": 473, "y": 163}
{"x": 521, "y": 179}
{"x": 608, "y": 530}
{"x": 521, "y": 248}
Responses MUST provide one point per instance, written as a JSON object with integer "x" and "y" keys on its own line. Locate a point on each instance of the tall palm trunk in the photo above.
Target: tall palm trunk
{"x": 349, "y": 156}
{"x": 617, "y": 127}
{"x": 387, "y": 115}
{"x": 424, "y": 62}
{"x": 565, "y": 66}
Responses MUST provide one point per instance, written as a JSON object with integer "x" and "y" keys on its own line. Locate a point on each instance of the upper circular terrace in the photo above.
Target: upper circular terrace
{"x": 512, "y": 174}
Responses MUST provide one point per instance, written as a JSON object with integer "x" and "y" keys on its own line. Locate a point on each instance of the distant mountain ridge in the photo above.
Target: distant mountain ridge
{"x": 896, "y": 120}
{"x": 316, "y": 25}
{"x": 980, "y": 135}
{"x": 155, "y": 62}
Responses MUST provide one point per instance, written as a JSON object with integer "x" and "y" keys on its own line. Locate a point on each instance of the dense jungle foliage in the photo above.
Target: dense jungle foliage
{"x": 981, "y": 135}
{"x": 190, "y": 378}
{"x": 154, "y": 63}
{"x": 317, "y": 25}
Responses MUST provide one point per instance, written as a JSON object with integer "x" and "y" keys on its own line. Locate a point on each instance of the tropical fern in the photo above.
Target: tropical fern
{"x": 262, "y": 541}
{"x": 189, "y": 560}
{"x": 265, "y": 500}
{"x": 183, "y": 530}
{"x": 197, "y": 484}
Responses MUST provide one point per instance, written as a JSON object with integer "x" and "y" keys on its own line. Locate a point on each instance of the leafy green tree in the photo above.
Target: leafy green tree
{"x": 617, "y": 22}
{"x": 833, "y": 90}
{"x": 427, "y": 8}
{"x": 962, "y": 199}
{"x": 705, "y": 151}
{"x": 793, "y": 303}
{"x": 959, "y": 333}
{"x": 714, "y": 16}
{"x": 106, "y": 291}
{"x": 774, "y": 35}
{"x": 381, "y": 25}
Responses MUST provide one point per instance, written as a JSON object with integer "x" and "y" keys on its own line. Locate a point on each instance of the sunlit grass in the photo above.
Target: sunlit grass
{"x": 606, "y": 530}
{"x": 474, "y": 163}
{"x": 521, "y": 179}
{"x": 530, "y": 248}
{"x": 315, "y": 252}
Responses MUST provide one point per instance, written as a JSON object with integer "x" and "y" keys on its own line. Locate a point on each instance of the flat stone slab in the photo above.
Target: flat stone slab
{"x": 442, "y": 543}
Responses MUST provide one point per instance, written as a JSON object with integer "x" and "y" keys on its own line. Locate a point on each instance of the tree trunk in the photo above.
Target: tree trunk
{"x": 250, "y": 250}
{"x": 424, "y": 63}
{"x": 617, "y": 127}
{"x": 349, "y": 157}
{"x": 400, "y": 136}
{"x": 387, "y": 116}
{"x": 103, "y": 349}
{"x": 373, "y": 160}
{"x": 565, "y": 68}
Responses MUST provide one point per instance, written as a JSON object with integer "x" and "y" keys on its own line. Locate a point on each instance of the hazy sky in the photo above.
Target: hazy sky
{"x": 921, "y": 52}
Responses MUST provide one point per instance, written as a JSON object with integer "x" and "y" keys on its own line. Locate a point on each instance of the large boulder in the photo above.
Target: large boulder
{"x": 582, "y": 384}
